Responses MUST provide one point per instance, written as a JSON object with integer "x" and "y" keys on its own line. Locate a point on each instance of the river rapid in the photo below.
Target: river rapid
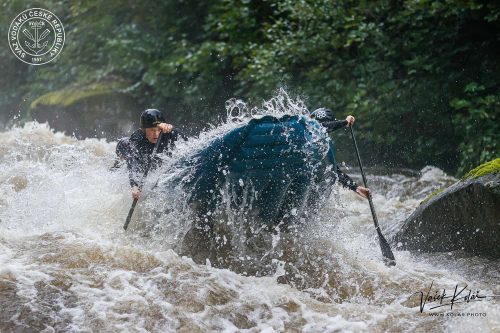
{"x": 66, "y": 264}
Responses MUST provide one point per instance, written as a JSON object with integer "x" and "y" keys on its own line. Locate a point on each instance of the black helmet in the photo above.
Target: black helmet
{"x": 151, "y": 118}
{"x": 323, "y": 114}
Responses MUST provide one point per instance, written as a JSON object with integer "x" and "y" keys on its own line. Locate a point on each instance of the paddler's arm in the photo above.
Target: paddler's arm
{"x": 347, "y": 182}
{"x": 135, "y": 166}
{"x": 136, "y": 192}
{"x": 334, "y": 125}
{"x": 174, "y": 132}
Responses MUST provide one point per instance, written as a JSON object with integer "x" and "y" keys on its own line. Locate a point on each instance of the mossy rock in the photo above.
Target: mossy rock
{"x": 96, "y": 110}
{"x": 69, "y": 96}
{"x": 464, "y": 216}
{"x": 484, "y": 169}
{"x": 436, "y": 192}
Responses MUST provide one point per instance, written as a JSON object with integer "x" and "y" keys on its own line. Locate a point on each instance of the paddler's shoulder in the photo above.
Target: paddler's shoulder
{"x": 123, "y": 147}
{"x": 137, "y": 136}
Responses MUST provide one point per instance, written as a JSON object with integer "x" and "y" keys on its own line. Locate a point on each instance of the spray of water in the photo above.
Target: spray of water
{"x": 279, "y": 105}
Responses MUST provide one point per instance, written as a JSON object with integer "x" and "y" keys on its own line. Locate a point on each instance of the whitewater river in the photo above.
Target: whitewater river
{"x": 66, "y": 264}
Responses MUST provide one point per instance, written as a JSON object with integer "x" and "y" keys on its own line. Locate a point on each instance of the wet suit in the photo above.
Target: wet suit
{"x": 334, "y": 125}
{"x": 343, "y": 178}
{"x": 137, "y": 150}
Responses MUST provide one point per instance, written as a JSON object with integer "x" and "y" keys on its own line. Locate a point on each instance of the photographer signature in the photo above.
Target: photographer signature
{"x": 460, "y": 295}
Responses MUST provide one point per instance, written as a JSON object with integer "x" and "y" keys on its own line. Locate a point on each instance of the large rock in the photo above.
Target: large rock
{"x": 465, "y": 216}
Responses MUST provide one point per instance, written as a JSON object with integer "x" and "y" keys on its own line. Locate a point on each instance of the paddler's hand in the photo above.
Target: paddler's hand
{"x": 363, "y": 191}
{"x": 165, "y": 128}
{"x": 136, "y": 192}
{"x": 350, "y": 120}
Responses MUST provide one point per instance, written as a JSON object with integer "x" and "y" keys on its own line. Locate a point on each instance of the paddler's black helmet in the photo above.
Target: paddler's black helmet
{"x": 322, "y": 114}
{"x": 151, "y": 118}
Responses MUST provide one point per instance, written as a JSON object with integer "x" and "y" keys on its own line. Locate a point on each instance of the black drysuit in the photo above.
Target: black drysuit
{"x": 137, "y": 150}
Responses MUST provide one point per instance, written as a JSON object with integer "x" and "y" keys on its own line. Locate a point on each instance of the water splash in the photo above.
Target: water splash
{"x": 282, "y": 104}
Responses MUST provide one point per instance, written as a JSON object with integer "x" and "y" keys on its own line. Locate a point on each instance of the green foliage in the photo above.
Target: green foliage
{"x": 477, "y": 115}
{"x": 420, "y": 76}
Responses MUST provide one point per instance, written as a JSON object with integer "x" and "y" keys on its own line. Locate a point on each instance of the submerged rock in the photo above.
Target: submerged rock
{"x": 465, "y": 216}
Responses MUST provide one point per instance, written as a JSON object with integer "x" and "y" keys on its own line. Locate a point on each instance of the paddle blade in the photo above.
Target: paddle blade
{"x": 389, "y": 259}
{"x": 130, "y": 213}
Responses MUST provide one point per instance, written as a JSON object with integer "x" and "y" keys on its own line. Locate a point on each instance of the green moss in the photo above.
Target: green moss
{"x": 433, "y": 194}
{"x": 69, "y": 96}
{"x": 484, "y": 169}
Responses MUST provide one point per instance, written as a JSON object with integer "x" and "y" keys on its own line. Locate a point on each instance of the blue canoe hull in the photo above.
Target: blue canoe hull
{"x": 272, "y": 169}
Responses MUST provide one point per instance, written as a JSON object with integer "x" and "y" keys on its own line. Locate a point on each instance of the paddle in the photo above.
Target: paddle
{"x": 389, "y": 259}
{"x": 141, "y": 182}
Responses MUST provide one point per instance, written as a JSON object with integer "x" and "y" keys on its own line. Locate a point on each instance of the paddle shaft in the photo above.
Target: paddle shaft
{"x": 384, "y": 245}
{"x": 141, "y": 182}
{"x": 372, "y": 208}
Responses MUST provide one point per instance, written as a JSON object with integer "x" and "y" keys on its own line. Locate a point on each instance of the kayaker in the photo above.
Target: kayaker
{"x": 326, "y": 118}
{"x": 137, "y": 149}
